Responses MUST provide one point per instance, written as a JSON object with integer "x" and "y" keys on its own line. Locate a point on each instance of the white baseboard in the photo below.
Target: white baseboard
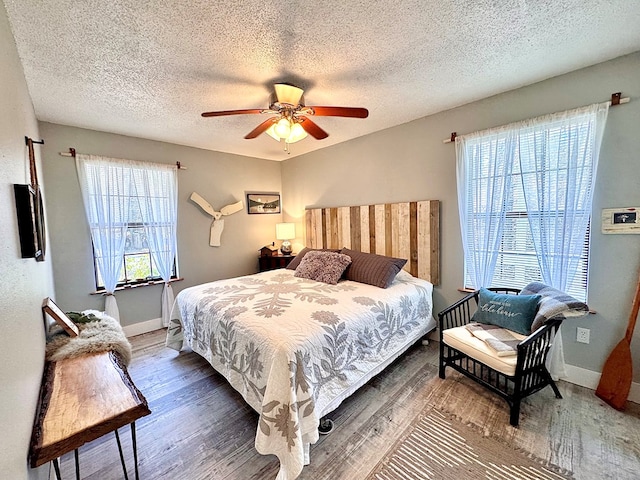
{"x": 142, "y": 327}
{"x": 590, "y": 379}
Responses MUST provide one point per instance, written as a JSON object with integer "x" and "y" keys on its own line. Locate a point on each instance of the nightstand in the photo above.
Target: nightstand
{"x": 271, "y": 262}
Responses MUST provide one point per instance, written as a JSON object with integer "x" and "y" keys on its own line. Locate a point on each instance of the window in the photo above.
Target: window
{"x": 131, "y": 207}
{"x": 138, "y": 265}
{"x": 525, "y": 195}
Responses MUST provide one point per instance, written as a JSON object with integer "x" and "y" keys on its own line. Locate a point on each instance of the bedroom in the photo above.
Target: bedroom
{"x": 420, "y": 163}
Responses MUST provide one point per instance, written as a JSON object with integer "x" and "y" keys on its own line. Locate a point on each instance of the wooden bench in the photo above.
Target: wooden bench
{"x": 81, "y": 399}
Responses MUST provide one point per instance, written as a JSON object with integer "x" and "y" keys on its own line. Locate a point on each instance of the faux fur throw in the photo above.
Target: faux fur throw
{"x": 98, "y": 333}
{"x": 500, "y": 340}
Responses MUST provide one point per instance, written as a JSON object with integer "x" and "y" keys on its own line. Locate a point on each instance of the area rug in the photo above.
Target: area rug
{"x": 437, "y": 446}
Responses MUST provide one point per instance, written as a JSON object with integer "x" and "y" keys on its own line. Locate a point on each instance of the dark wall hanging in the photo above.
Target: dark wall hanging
{"x": 30, "y": 212}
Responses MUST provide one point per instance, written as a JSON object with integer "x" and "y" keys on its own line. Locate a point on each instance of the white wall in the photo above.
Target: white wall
{"x": 25, "y": 282}
{"x": 410, "y": 162}
{"x": 220, "y": 178}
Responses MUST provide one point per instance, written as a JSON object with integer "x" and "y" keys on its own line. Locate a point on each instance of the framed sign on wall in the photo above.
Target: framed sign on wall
{"x": 621, "y": 220}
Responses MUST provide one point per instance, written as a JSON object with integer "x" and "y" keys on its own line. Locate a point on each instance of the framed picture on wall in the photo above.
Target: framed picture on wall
{"x": 260, "y": 203}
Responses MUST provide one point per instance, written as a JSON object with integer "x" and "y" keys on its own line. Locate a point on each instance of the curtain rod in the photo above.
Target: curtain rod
{"x": 615, "y": 100}
{"x": 72, "y": 153}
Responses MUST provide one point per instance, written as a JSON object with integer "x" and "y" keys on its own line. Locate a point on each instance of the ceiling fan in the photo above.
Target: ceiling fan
{"x": 290, "y": 116}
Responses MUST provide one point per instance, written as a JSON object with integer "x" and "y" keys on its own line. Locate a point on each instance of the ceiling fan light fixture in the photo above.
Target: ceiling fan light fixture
{"x": 282, "y": 128}
{"x": 297, "y": 133}
{"x": 271, "y": 131}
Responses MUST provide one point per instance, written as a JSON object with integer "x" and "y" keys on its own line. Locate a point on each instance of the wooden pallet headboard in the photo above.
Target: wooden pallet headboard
{"x": 408, "y": 230}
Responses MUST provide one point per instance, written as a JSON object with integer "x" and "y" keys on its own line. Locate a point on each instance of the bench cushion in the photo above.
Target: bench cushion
{"x": 461, "y": 339}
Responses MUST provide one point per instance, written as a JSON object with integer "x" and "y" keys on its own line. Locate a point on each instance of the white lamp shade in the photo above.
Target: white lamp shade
{"x": 297, "y": 133}
{"x": 285, "y": 231}
{"x": 282, "y": 128}
{"x": 271, "y": 131}
{"x": 288, "y": 93}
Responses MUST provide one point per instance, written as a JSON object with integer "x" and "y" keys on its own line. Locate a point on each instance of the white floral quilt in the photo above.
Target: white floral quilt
{"x": 295, "y": 348}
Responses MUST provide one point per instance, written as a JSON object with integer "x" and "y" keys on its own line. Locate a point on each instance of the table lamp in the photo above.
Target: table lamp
{"x": 285, "y": 232}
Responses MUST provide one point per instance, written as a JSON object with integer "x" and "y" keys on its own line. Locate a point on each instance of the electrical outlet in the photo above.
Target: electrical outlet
{"x": 582, "y": 335}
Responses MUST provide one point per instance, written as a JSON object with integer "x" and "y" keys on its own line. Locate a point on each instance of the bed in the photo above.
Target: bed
{"x": 295, "y": 348}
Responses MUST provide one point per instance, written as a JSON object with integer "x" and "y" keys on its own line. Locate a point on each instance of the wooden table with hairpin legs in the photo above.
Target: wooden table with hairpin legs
{"x": 82, "y": 399}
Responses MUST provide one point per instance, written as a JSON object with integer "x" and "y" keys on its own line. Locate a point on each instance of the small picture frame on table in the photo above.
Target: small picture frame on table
{"x": 50, "y": 308}
{"x": 261, "y": 203}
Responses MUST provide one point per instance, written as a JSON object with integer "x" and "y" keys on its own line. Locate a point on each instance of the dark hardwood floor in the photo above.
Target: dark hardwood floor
{"x": 200, "y": 428}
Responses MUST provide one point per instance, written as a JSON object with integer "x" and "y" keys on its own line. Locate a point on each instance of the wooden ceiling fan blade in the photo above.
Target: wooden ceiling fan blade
{"x": 263, "y": 127}
{"x": 312, "y": 129}
{"x": 232, "y": 112}
{"x": 353, "y": 112}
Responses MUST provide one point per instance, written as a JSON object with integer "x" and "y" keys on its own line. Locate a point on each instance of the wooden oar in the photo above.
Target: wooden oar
{"x": 617, "y": 373}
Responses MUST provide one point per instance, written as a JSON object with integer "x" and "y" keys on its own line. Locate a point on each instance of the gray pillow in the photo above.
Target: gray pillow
{"x": 321, "y": 266}
{"x": 372, "y": 269}
{"x": 293, "y": 264}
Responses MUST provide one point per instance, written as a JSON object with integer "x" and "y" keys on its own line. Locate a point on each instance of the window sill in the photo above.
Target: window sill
{"x": 129, "y": 286}
{"x": 470, "y": 290}
{"x": 466, "y": 290}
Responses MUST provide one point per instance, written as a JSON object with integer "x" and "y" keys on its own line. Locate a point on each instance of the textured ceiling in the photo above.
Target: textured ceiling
{"x": 149, "y": 68}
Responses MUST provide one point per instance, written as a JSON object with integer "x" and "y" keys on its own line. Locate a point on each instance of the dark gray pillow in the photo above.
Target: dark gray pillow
{"x": 377, "y": 270}
{"x": 293, "y": 264}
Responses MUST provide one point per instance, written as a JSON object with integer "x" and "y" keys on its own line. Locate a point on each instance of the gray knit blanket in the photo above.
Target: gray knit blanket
{"x": 98, "y": 333}
{"x": 553, "y": 304}
{"x": 501, "y": 341}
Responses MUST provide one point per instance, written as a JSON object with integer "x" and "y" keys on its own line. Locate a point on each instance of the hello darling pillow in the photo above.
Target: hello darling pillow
{"x": 513, "y": 312}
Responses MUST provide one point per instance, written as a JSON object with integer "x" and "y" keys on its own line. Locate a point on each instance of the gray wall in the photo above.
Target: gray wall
{"x": 410, "y": 162}
{"x": 25, "y": 282}
{"x": 220, "y": 178}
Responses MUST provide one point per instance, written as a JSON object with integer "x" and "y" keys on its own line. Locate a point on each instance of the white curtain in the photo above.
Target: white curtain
{"x": 484, "y": 176}
{"x": 106, "y": 191}
{"x": 558, "y": 156}
{"x": 158, "y": 194}
{"x": 117, "y": 192}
